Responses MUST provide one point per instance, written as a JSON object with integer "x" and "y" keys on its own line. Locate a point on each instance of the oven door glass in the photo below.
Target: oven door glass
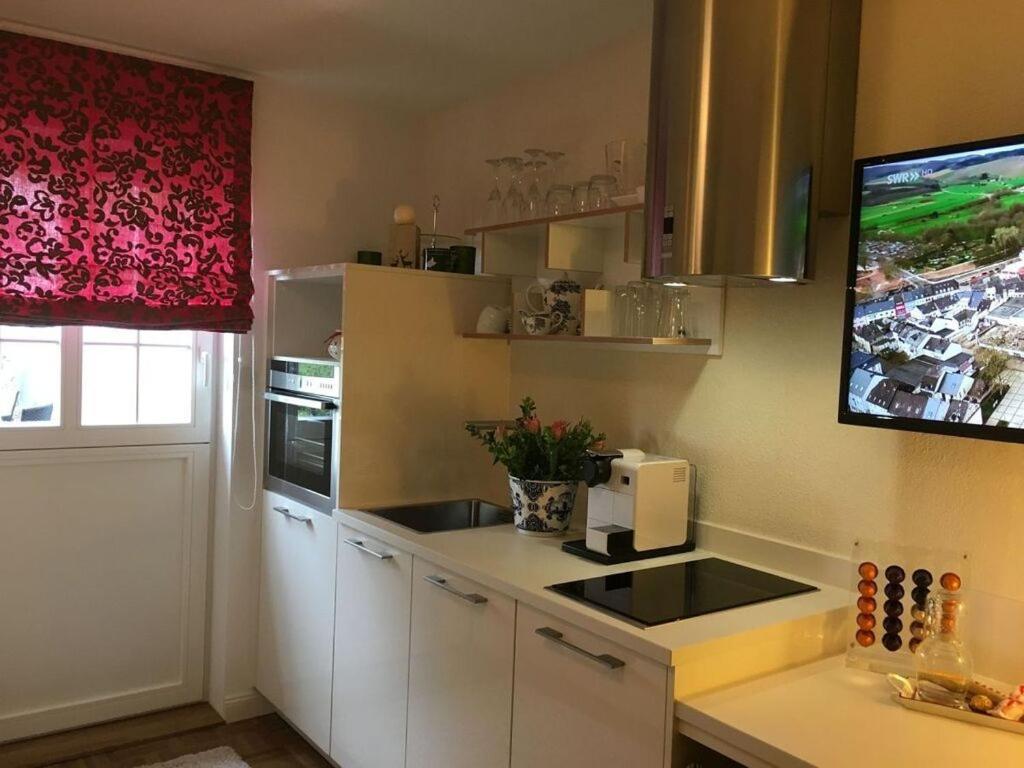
{"x": 300, "y": 445}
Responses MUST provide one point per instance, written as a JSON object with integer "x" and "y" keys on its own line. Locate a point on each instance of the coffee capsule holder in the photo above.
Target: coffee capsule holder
{"x": 888, "y": 616}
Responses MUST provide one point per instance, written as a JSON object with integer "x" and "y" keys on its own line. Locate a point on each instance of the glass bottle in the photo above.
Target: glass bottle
{"x": 944, "y": 665}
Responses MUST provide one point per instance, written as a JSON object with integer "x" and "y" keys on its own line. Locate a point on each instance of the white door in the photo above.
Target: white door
{"x": 102, "y": 584}
{"x": 460, "y": 672}
{"x": 583, "y": 702}
{"x": 296, "y": 624}
{"x": 371, "y": 653}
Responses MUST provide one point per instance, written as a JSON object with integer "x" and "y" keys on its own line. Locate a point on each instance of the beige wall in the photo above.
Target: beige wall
{"x": 576, "y": 109}
{"x": 326, "y": 175}
{"x": 761, "y": 421}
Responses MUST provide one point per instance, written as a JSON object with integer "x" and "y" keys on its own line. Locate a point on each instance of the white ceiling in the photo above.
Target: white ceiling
{"x": 414, "y": 53}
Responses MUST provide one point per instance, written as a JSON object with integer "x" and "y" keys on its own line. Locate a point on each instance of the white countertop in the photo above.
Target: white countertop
{"x": 522, "y": 566}
{"x": 824, "y": 714}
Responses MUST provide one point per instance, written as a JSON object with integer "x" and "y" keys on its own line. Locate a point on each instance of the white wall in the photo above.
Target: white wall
{"x": 761, "y": 421}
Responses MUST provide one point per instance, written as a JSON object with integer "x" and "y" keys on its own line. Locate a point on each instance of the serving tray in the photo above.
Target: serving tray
{"x": 964, "y": 715}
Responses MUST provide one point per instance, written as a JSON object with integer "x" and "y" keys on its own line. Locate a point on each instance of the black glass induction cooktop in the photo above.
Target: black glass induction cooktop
{"x": 667, "y": 593}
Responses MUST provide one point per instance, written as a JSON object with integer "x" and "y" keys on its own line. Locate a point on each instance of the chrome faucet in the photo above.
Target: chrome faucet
{"x": 487, "y": 425}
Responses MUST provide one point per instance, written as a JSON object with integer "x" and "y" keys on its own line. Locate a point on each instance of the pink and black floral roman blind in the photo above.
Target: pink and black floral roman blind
{"x": 124, "y": 191}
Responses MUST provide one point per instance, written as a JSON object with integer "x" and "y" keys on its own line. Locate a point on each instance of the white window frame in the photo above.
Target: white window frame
{"x": 70, "y": 433}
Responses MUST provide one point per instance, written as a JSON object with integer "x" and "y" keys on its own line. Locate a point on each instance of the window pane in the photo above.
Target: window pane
{"x": 109, "y": 336}
{"x": 165, "y": 385}
{"x": 108, "y": 384}
{"x": 177, "y": 338}
{"x": 29, "y": 333}
{"x": 29, "y": 384}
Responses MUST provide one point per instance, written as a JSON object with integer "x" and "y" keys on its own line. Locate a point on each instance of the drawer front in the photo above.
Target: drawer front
{"x": 583, "y": 702}
{"x": 371, "y": 652}
{"x": 460, "y": 672}
{"x": 296, "y": 615}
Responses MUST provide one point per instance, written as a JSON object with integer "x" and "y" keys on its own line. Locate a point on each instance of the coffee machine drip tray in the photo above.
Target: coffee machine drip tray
{"x": 666, "y": 593}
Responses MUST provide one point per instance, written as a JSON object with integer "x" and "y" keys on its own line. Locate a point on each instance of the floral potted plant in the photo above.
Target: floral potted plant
{"x": 544, "y": 466}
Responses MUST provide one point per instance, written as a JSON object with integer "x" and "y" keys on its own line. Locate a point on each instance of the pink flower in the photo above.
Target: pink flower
{"x": 532, "y": 424}
{"x": 558, "y": 429}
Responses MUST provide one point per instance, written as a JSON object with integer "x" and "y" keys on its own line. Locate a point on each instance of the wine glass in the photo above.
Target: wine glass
{"x": 514, "y": 201}
{"x": 495, "y": 210}
{"x": 534, "y": 198}
{"x": 555, "y": 162}
{"x": 615, "y": 163}
{"x": 534, "y": 154}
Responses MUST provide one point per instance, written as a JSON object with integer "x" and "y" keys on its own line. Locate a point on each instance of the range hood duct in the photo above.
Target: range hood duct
{"x": 750, "y": 137}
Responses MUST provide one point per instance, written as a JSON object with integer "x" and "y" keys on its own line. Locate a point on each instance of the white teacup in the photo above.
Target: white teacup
{"x": 493, "y": 320}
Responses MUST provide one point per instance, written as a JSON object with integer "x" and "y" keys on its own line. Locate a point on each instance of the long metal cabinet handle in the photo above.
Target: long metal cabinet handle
{"x": 605, "y": 660}
{"x": 361, "y": 546}
{"x": 469, "y": 597}
{"x": 292, "y": 516}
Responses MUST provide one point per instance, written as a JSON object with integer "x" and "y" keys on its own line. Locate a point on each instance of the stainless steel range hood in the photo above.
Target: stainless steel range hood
{"x": 750, "y": 136}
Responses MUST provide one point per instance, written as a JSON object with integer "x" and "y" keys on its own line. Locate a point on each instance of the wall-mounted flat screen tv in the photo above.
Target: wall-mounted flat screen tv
{"x": 934, "y": 335}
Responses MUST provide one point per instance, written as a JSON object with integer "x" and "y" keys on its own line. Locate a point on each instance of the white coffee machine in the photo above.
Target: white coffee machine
{"x": 639, "y": 506}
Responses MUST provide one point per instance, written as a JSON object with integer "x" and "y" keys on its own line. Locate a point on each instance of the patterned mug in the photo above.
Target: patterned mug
{"x": 562, "y": 295}
{"x": 541, "y": 323}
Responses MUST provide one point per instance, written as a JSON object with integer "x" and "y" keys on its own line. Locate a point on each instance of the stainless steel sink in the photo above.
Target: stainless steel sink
{"x": 446, "y": 515}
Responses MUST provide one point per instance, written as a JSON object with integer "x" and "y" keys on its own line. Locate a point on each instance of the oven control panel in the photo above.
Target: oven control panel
{"x": 319, "y": 378}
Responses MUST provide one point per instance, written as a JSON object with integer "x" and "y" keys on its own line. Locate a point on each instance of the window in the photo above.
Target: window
{"x": 95, "y": 386}
{"x": 29, "y": 376}
{"x": 136, "y": 377}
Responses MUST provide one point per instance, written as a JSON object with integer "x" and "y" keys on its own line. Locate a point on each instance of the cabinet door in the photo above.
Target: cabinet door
{"x": 583, "y": 702}
{"x": 296, "y": 618}
{"x": 371, "y": 653}
{"x": 460, "y": 672}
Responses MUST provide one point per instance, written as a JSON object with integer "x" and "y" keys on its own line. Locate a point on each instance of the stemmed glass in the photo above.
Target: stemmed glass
{"x": 534, "y": 155}
{"x": 495, "y": 211}
{"x": 615, "y": 163}
{"x": 534, "y": 198}
{"x": 555, "y": 163}
{"x": 514, "y": 201}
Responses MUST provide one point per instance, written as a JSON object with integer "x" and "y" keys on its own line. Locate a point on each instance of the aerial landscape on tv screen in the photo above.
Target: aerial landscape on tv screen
{"x": 938, "y": 320}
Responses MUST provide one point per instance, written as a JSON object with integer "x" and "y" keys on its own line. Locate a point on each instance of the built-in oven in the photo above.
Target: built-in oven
{"x": 303, "y": 430}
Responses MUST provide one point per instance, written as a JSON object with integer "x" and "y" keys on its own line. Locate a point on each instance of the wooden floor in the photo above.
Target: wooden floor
{"x": 263, "y": 742}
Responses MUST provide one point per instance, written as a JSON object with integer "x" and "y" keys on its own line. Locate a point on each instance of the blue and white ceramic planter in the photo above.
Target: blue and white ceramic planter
{"x": 542, "y": 507}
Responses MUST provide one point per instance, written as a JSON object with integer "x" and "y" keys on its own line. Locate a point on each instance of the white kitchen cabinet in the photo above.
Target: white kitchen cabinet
{"x": 460, "y": 672}
{"x": 296, "y": 616}
{"x": 371, "y": 653}
{"x": 583, "y": 702}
